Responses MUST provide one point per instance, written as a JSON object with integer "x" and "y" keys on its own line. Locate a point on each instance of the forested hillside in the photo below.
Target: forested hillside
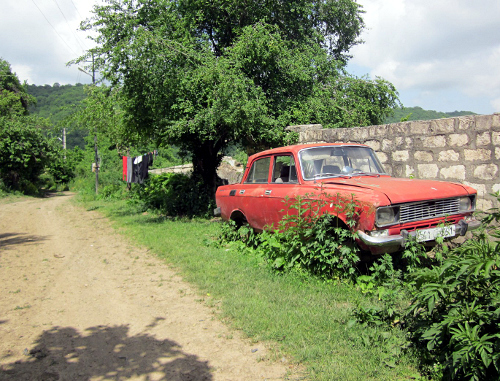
{"x": 57, "y": 103}
{"x": 418, "y": 113}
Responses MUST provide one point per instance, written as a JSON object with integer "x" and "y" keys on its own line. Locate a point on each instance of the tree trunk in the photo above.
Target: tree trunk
{"x": 206, "y": 160}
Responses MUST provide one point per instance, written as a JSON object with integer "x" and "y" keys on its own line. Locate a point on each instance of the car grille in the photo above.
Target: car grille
{"x": 428, "y": 209}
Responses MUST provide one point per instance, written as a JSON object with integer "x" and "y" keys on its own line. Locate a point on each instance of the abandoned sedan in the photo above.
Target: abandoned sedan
{"x": 389, "y": 210}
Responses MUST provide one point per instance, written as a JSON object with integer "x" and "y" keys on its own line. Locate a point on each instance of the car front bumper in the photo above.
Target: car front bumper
{"x": 397, "y": 241}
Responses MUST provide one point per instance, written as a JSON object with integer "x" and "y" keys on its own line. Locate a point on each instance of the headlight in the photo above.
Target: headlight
{"x": 387, "y": 215}
{"x": 467, "y": 203}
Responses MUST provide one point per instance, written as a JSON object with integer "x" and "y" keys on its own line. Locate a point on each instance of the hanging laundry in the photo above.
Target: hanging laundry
{"x": 129, "y": 169}
{"x": 124, "y": 163}
{"x": 136, "y": 169}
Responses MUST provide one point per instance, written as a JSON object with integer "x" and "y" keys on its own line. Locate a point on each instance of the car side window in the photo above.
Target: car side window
{"x": 284, "y": 169}
{"x": 259, "y": 172}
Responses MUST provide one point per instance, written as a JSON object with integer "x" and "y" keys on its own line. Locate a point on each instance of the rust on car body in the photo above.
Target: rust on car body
{"x": 390, "y": 210}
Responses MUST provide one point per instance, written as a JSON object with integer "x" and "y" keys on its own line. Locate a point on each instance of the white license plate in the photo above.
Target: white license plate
{"x": 432, "y": 233}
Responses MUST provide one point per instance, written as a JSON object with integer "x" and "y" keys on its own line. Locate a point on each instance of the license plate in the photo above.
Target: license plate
{"x": 432, "y": 233}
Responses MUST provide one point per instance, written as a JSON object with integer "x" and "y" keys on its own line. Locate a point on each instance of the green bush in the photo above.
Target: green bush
{"x": 307, "y": 238}
{"x": 62, "y": 168}
{"x": 175, "y": 194}
{"x": 24, "y": 153}
{"x": 453, "y": 319}
{"x": 456, "y": 309}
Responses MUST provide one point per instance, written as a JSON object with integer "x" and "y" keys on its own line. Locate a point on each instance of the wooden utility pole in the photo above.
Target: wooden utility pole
{"x": 95, "y": 130}
{"x": 95, "y": 138}
{"x": 64, "y": 142}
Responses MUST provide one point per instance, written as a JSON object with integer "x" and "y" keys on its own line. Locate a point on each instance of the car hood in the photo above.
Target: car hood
{"x": 399, "y": 190}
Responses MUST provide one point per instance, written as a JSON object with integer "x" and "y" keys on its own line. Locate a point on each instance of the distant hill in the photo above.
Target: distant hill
{"x": 56, "y": 103}
{"x": 418, "y": 113}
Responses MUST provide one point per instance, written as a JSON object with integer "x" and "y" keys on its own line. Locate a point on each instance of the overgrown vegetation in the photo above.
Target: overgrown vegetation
{"x": 307, "y": 238}
{"x": 445, "y": 302}
{"x": 26, "y": 152}
{"x": 175, "y": 194}
{"x": 455, "y": 313}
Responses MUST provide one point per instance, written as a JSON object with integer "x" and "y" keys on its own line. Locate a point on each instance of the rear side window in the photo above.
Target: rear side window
{"x": 259, "y": 172}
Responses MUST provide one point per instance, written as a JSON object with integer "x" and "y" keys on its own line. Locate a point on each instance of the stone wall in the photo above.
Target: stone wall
{"x": 464, "y": 149}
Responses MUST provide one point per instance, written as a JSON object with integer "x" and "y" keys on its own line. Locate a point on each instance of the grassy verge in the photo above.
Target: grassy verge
{"x": 306, "y": 319}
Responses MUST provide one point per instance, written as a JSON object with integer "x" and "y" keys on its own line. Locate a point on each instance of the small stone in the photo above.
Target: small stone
{"x": 254, "y": 350}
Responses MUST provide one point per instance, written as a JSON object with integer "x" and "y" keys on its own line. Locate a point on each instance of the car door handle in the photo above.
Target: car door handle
{"x": 268, "y": 192}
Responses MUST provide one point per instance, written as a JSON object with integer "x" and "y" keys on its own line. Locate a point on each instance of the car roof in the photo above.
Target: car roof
{"x": 296, "y": 148}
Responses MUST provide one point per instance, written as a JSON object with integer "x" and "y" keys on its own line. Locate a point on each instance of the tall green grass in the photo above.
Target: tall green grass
{"x": 306, "y": 319}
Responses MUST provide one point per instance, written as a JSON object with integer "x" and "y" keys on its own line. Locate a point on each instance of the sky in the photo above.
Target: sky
{"x": 441, "y": 55}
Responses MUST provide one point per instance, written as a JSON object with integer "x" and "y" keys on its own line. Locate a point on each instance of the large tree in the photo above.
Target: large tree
{"x": 207, "y": 74}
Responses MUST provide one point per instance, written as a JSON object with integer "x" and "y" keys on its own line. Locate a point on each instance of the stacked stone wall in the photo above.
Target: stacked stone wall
{"x": 463, "y": 149}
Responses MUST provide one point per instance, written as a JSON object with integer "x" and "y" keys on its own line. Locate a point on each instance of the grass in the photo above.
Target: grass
{"x": 306, "y": 319}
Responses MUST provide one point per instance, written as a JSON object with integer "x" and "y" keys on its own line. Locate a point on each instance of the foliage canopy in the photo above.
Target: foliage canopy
{"x": 205, "y": 75}
{"x": 25, "y": 151}
{"x": 14, "y": 100}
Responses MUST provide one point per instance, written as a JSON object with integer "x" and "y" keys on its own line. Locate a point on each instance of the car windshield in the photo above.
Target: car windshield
{"x": 339, "y": 161}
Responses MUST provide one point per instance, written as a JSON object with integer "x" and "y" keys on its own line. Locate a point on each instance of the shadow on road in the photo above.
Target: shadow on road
{"x": 50, "y": 193}
{"x": 10, "y": 239}
{"x": 63, "y": 353}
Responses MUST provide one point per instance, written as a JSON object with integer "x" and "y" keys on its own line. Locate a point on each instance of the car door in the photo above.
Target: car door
{"x": 284, "y": 183}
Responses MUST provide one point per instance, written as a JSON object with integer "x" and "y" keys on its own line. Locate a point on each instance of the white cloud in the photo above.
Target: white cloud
{"x": 23, "y": 72}
{"x": 495, "y": 103}
{"x": 441, "y": 54}
{"x": 434, "y": 47}
{"x": 40, "y": 36}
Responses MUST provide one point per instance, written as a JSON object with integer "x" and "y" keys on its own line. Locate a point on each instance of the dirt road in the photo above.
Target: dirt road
{"x": 79, "y": 302}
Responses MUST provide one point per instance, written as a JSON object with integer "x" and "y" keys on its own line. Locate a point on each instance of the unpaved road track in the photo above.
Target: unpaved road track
{"x": 80, "y": 302}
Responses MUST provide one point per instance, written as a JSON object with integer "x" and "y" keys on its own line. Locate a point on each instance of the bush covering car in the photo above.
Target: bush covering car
{"x": 390, "y": 210}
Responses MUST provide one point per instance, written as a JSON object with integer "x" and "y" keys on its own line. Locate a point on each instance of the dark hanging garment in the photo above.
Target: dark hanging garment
{"x": 138, "y": 168}
{"x": 143, "y": 171}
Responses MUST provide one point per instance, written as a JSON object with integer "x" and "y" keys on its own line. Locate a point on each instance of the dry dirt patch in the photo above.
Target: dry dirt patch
{"x": 80, "y": 302}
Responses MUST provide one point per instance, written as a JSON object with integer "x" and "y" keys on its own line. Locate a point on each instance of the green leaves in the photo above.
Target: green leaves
{"x": 307, "y": 239}
{"x": 24, "y": 151}
{"x": 14, "y": 100}
{"x": 456, "y": 310}
{"x": 175, "y": 195}
{"x": 205, "y": 75}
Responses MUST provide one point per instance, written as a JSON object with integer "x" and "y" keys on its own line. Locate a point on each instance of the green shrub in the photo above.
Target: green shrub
{"x": 62, "y": 168}
{"x": 175, "y": 194}
{"x": 456, "y": 309}
{"x": 307, "y": 238}
{"x": 24, "y": 153}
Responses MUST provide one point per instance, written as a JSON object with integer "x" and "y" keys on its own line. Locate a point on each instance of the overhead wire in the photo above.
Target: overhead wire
{"x": 55, "y": 30}
{"x": 77, "y": 11}
{"x": 81, "y": 44}
{"x": 67, "y": 23}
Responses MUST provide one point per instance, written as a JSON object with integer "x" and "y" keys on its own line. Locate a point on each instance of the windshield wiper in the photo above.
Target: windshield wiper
{"x": 318, "y": 175}
{"x": 361, "y": 173}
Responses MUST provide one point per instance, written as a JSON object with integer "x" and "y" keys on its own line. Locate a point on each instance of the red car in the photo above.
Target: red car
{"x": 390, "y": 209}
